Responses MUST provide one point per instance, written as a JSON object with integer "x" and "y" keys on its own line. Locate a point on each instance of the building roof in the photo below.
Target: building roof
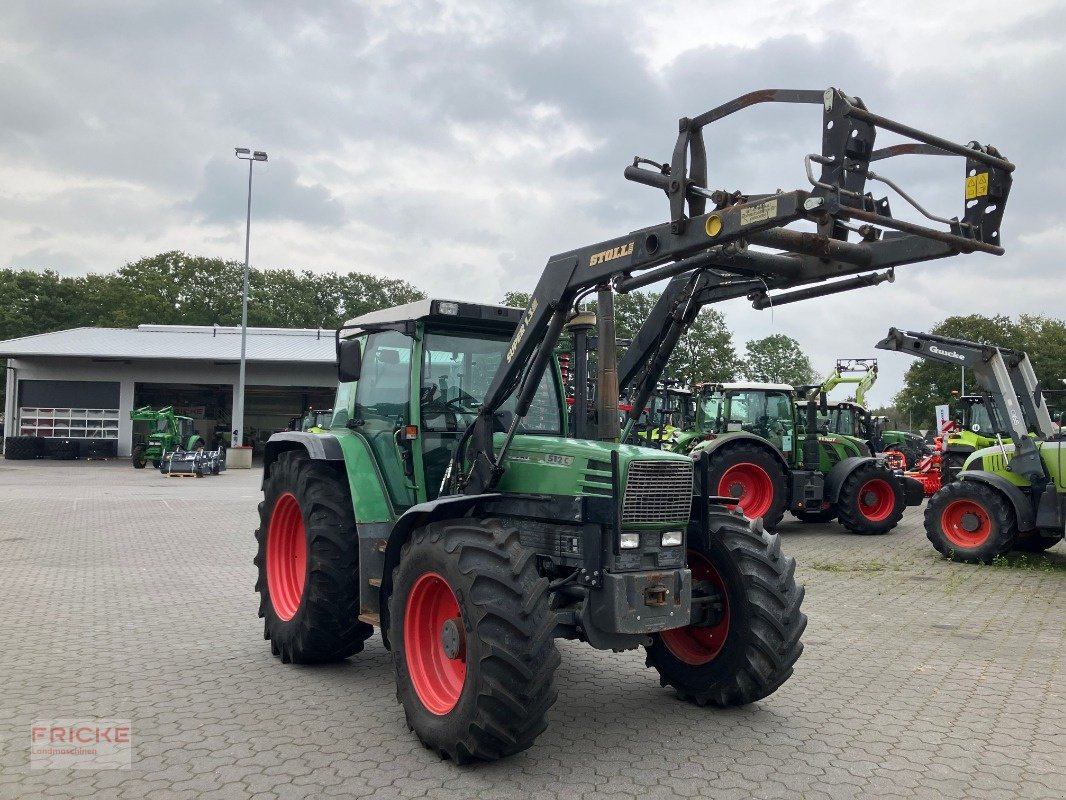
{"x": 184, "y": 342}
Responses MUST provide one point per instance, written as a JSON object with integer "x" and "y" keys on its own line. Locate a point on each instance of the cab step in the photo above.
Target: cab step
{"x": 371, "y": 619}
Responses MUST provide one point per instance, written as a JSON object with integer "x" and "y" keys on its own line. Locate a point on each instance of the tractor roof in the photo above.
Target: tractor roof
{"x": 448, "y": 312}
{"x": 778, "y": 387}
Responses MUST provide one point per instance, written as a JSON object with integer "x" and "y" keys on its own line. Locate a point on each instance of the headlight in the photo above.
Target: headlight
{"x": 672, "y": 538}
{"x": 629, "y": 541}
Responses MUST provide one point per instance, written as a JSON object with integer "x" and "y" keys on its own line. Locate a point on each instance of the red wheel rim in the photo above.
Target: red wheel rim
{"x": 752, "y": 487}
{"x": 966, "y": 523}
{"x": 286, "y": 556}
{"x": 700, "y": 645}
{"x": 438, "y": 678}
{"x": 876, "y": 499}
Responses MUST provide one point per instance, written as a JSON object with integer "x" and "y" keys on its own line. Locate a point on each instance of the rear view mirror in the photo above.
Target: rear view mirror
{"x": 349, "y": 360}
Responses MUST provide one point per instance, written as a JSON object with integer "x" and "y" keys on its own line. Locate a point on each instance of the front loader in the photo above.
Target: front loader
{"x": 1010, "y": 496}
{"x": 447, "y": 508}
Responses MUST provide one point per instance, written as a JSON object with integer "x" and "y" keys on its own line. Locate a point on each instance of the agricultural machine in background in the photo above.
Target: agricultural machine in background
{"x": 766, "y": 450}
{"x": 167, "y": 432}
{"x": 459, "y": 519}
{"x": 853, "y": 418}
{"x": 1010, "y": 496}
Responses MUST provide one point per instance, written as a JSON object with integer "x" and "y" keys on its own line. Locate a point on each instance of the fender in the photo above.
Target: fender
{"x": 1023, "y": 507}
{"x": 839, "y": 473}
{"x": 713, "y": 445}
{"x": 319, "y": 447}
{"x": 451, "y": 507}
{"x": 964, "y": 449}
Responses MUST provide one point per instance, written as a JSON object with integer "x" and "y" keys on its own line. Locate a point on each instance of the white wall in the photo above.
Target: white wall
{"x": 158, "y": 371}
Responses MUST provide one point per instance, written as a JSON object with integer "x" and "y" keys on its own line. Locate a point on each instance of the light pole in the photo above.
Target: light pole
{"x": 251, "y": 157}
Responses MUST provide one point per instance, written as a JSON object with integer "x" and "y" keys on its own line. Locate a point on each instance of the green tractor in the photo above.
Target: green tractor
{"x": 763, "y": 445}
{"x": 317, "y": 420}
{"x": 669, "y": 416}
{"x": 167, "y": 432}
{"x": 1009, "y": 496}
{"x": 851, "y": 418}
{"x": 448, "y": 508}
{"x": 846, "y": 418}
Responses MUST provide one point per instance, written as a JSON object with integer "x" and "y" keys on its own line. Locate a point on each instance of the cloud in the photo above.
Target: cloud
{"x": 459, "y": 144}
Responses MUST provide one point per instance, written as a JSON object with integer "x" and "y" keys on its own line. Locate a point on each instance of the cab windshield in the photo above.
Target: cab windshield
{"x": 979, "y": 421}
{"x": 457, "y": 370}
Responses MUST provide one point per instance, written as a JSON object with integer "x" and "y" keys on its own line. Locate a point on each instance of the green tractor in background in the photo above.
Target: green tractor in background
{"x": 167, "y": 432}
{"x": 669, "y": 416}
{"x": 761, "y": 448}
{"x": 317, "y": 420}
{"x": 852, "y": 418}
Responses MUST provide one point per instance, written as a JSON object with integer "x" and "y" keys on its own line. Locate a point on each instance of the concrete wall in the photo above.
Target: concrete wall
{"x": 129, "y": 373}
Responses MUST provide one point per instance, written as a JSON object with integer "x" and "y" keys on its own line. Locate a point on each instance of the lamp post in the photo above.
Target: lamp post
{"x": 251, "y": 157}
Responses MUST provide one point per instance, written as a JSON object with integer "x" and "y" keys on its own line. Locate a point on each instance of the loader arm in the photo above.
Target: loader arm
{"x": 695, "y": 239}
{"x": 1005, "y": 375}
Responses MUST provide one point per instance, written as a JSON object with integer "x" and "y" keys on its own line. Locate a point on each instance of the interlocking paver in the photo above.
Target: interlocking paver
{"x": 128, "y": 595}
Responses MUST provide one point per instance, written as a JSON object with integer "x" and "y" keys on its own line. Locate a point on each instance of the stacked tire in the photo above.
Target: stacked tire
{"x": 22, "y": 448}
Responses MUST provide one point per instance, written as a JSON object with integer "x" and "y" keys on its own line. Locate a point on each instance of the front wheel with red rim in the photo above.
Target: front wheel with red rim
{"x": 472, "y": 637}
{"x": 744, "y": 646}
{"x": 699, "y": 644}
{"x": 435, "y": 643}
{"x": 751, "y": 485}
{"x": 286, "y": 556}
{"x": 308, "y": 562}
{"x": 871, "y": 499}
{"x": 970, "y": 521}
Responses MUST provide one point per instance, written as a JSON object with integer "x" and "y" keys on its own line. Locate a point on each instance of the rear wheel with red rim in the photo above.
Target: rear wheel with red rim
{"x": 308, "y": 562}
{"x": 472, "y": 637}
{"x": 750, "y": 472}
{"x": 748, "y": 623}
{"x": 970, "y": 521}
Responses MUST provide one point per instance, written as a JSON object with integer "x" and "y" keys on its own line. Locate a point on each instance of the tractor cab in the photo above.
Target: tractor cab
{"x": 763, "y": 409}
{"x": 670, "y": 412}
{"x": 424, "y": 368}
{"x": 316, "y": 420}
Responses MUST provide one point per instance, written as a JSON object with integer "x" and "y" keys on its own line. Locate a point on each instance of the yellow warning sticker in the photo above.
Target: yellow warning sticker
{"x": 758, "y": 213}
{"x": 977, "y": 186}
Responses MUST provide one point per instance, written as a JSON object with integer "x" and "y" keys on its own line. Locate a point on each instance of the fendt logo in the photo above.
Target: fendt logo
{"x": 948, "y": 353}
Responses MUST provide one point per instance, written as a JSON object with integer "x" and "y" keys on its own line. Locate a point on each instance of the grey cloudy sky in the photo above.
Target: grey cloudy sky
{"x": 458, "y": 144}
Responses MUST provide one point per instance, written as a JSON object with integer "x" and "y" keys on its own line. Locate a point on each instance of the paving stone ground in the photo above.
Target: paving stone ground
{"x": 124, "y": 594}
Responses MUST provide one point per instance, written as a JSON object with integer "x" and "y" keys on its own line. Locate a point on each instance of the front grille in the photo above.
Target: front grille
{"x": 657, "y": 491}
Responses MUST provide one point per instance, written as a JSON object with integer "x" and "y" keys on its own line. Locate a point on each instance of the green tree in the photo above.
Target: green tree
{"x": 777, "y": 359}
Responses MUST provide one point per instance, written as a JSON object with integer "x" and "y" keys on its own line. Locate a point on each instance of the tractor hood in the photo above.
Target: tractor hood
{"x": 571, "y": 467}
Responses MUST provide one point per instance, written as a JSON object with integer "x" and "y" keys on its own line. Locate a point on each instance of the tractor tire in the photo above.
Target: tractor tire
{"x": 1033, "y": 542}
{"x": 22, "y": 448}
{"x": 472, "y": 638}
{"x": 308, "y": 562}
{"x": 871, "y": 500}
{"x": 970, "y": 522}
{"x": 750, "y": 652}
{"x": 951, "y": 466}
{"x": 827, "y": 514}
{"x": 138, "y": 459}
{"x": 911, "y": 455}
{"x": 751, "y": 473}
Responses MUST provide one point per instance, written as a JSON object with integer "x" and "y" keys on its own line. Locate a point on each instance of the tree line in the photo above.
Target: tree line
{"x": 179, "y": 289}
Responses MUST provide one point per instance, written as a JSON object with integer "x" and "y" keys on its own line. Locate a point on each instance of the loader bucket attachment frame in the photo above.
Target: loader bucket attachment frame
{"x": 695, "y": 239}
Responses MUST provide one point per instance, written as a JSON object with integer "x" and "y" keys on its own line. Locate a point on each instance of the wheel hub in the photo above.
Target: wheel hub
{"x": 453, "y": 639}
{"x": 869, "y": 499}
{"x": 970, "y": 522}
